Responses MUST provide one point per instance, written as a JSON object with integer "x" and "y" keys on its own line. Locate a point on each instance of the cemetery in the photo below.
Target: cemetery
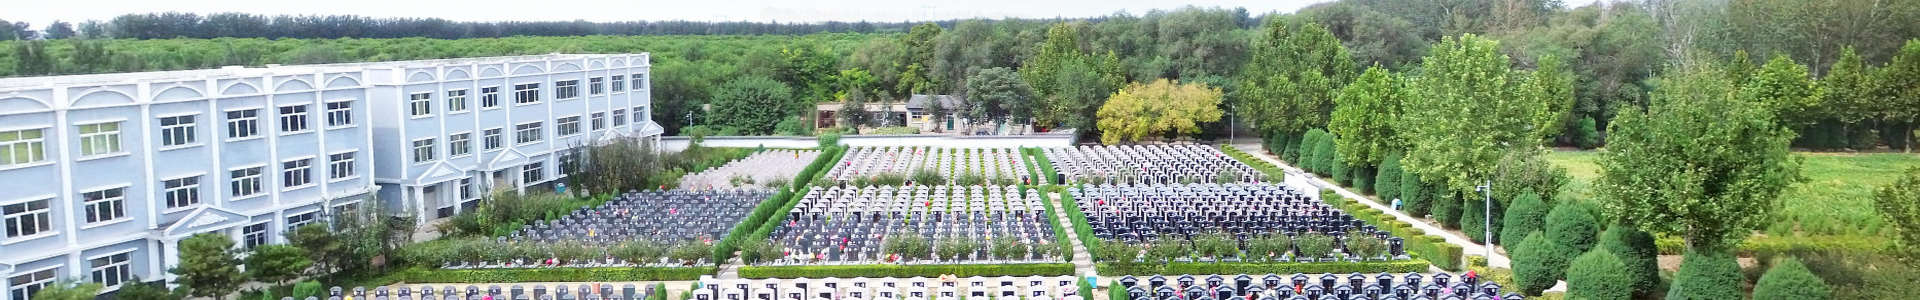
{"x": 1149, "y": 165}
{"x": 769, "y": 168}
{"x": 1246, "y": 214}
{"x": 962, "y": 166}
{"x": 918, "y": 224}
{"x": 1353, "y": 286}
{"x": 634, "y": 229}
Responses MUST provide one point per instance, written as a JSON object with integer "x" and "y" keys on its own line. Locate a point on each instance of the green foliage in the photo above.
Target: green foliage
{"x": 1467, "y": 108}
{"x": 1899, "y": 86}
{"x": 1707, "y": 276}
{"x": 1159, "y": 108}
{"x": 907, "y": 245}
{"x": 1314, "y": 245}
{"x": 136, "y": 289}
{"x": 753, "y": 104}
{"x": 904, "y": 271}
{"x": 208, "y": 267}
{"x": 1342, "y": 174}
{"x": 1537, "y": 264}
{"x": 1572, "y": 226}
{"x": 1473, "y": 222}
{"x": 1791, "y": 279}
{"x": 301, "y": 290}
{"x": 997, "y": 95}
{"x": 1215, "y": 245}
{"x": 951, "y": 247}
{"x": 1442, "y": 254}
{"x": 1785, "y": 89}
{"x": 1416, "y": 196}
{"x": 1699, "y": 163}
{"x": 1309, "y": 146}
{"x": 320, "y": 243}
{"x": 1363, "y": 117}
{"x": 1598, "y": 275}
{"x": 277, "y": 263}
{"x": 1899, "y": 203}
{"x": 1071, "y": 84}
{"x": 1586, "y": 135}
{"x": 1526, "y": 215}
{"x": 1341, "y": 267}
{"x": 1164, "y": 249}
{"x": 1293, "y": 76}
{"x": 69, "y": 290}
{"x": 687, "y": 252}
{"x": 1640, "y": 259}
{"x": 425, "y": 275}
{"x": 1324, "y": 154}
{"x": 1447, "y": 206}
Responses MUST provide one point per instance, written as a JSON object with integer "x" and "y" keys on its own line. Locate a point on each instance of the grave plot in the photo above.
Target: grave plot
{"x": 917, "y": 225}
{"x": 635, "y": 228}
{"x": 961, "y": 166}
{"x": 890, "y": 288}
{"x": 1256, "y": 222}
{"x": 1149, "y": 164}
{"x": 1355, "y": 286}
{"x": 758, "y": 170}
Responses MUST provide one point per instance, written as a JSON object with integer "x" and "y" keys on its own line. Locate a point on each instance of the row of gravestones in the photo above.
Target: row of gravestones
{"x": 1356, "y": 286}
{"x": 474, "y": 292}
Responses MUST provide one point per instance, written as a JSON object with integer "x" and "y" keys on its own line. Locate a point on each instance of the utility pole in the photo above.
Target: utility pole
{"x": 1487, "y": 217}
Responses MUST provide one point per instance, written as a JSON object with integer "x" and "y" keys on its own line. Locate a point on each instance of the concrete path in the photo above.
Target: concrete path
{"x": 1296, "y": 175}
{"x": 1082, "y": 260}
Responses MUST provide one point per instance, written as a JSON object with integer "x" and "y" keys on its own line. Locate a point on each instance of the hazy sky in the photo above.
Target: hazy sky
{"x": 41, "y": 13}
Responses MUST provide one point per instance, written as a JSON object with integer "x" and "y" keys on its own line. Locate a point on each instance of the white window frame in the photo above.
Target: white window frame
{"x": 490, "y": 97}
{"x": 566, "y": 126}
{"x": 115, "y": 272}
{"x": 619, "y": 83}
{"x": 339, "y": 114}
{"x": 248, "y": 179}
{"x": 524, "y": 134}
{"x": 420, "y": 105}
{"x": 244, "y": 126}
{"x": 247, "y": 239}
{"x": 533, "y": 172}
{"x": 295, "y": 220}
{"x": 526, "y": 93}
{"x": 639, "y": 82}
{"x": 15, "y": 223}
{"x": 466, "y": 188}
{"x": 460, "y": 144}
{"x": 181, "y": 192}
{"x": 598, "y": 120}
{"x": 35, "y": 284}
{"x": 340, "y": 167}
{"x": 23, "y": 151}
{"x": 597, "y": 86}
{"x": 638, "y": 113}
{"x": 423, "y": 150}
{"x": 619, "y": 117}
{"x": 493, "y": 138}
{"x": 179, "y": 134}
{"x": 104, "y": 141}
{"x": 294, "y": 122}
{"x": 566, "y": 89}
{"x": 457, "y": 101}
{"x": 296, "y": 173}
{"x": 108, "y": 207}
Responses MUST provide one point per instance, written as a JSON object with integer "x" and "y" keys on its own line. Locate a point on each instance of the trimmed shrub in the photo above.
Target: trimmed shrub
{"x": 1387, "y": 179}
{"x": 423, "y": 275}
{"x": 1635, "y": 249}
{"x": 1572, "y": 225}
{"x": 1445, "y": 205}
{"x": 1707, "y": 276}
{"x": 1586, "y": 135}
{"x": 1790, "y": 280}
{"x": 1473, "y": 216}
{"x": 1537, "y": 264}
{"x": 902, "y": 271}
{"x": 305, "y": 289}
{"x": 1342, "y": 173}
{"x": 1293, "y": 150}
{"x": 1414, "y": 195}
{"x": 1528, "y": 214}
{"x": 1309, "y": 145}
{"x": 1326, "y": 154}
{"x": 1362, "y": 179}
{"x": 829, "y": 140}
{"x": 1598, "y": 275}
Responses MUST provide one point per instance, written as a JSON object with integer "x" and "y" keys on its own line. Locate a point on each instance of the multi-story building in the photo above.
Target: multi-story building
{"x": 102, "y": 175}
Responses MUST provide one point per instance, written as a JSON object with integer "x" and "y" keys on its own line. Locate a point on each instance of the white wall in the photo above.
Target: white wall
{"x": 677, "y": 143}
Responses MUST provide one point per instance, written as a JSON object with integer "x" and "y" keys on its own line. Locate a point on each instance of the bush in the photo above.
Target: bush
{"x": 1586, "y": 136}
{"x": 1314, "y": 245}
{"x": 1325, "y": 155}
{"x": 305, "y": 289}
{"x": 1572, "y": 225}
{"x": 1362, "y": 178}
{"x": 1537, "y": 264}
{"x": 1526, "y": 215}
{"x": 1446, "y": 205}
{"x": 1598, "y": 275}
{"x": 1342, "y": 173}
{"x": 1416, "y": 196}
{"x": 1269, "y": 248}
{"x": 1635, "y": 250}
{"x": 1473, "y": 214}
{"x": 829, "y": 140}
{"x": 1164, "y": 249}
{"x": 1707, "y": 276}
{"x": 1397, "y": 266}
{"x": 889, "y": 179}
{"x": 1790, "y": 280}
{"x": 928, "y": 177}
{"x": 1386, "y": 180}
{"x": 1309, "y": 143}
{"x": 425, "y": 275}
{"x": 903, "y": 271}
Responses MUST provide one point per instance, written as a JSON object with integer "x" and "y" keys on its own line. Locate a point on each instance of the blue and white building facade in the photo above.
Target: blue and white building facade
{"x": 102, "y": 175}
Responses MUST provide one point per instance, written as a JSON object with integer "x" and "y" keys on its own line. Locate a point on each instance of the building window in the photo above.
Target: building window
{"x": 423, "y": 150}
{"x": 599, "y": 121}
{"x": 466, "y": 188}
{"x": 295, "y": 221}
{"x": 254, "y": 235}
{"x": 112, "y": 270}
{"x": 619, "y": 117}
{"x": 105, "y": 205}
{"x": 566, "y": 89}
{"x": 339, "y": 113}
{"x": 567, "y": 126}
{"x": 296, "y": 172}
{"x": 243, "y": 123}
{"x": 639, "y": 114}
{"x": 22, "y": 146}
{"x": 491, "y": 138}
{"x": 99, "y": 139}
{"x": 456, "y": 101}
{"x": 25, "y": 285}
{"x": 526, "y": 93}
{"x": 340, "y": 165}
{"x": 531, "y": 173}
{"x": 569, "y": 161}
{"x": 619, "y": 83}
{"x": 527, "y": 133}
{"x": 490, "y": 97}
{"x": 27, "y": 218}
{"x": 639, "y": 82}
{"x": 182, "y": 192}
{"x": 176, "y": 131}
{"x": 596, "y": 86}
{"x": 293, "y": 118}
{"x": 420, "y": 104}
{"x": 459, "y": 144}
{"x": 246, "y": 181}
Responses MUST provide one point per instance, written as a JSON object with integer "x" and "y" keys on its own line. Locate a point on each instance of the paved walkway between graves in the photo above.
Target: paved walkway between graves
{"x": 1495, "y": 260}
{"x": 1082, "y": 261}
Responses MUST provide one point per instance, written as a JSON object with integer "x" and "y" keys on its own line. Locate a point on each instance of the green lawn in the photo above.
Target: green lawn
{"x": 1836, "y": 199}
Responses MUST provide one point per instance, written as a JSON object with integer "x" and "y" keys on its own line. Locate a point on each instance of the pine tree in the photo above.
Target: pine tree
{"x": 208, "y": 267}
{"x": 1790, "y": 280}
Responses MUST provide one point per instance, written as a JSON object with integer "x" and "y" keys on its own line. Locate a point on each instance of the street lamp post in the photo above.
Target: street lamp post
{"x": 1487, "y": 217}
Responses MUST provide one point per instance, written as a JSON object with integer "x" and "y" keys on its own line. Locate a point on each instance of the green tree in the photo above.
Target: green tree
{"x": 1707, "y": 276}
{"x": 1293, "y": 76}
{"x": 321, "y": 246}
{"x": 1572, "y": 226}
{"x": 208, "y": 267}
{"x": 1790, "y": 280}
{"x": 1161, "y": 108}
{"x": 1586, "y": 136}
{"x": 69, "y": 290}
{"x": 1700, "y": 163}
{"x": 1549, "y": 88}
{"x": 752, "y": 105}
{"x": 1309, "y": 143}
{"x": 1848, "y": 92}
{"x": 1636, "y": 250}
{"x": 1899, "y": 204}
{"x": 1417, "y": 196}
{"x": 1467, "y": 109}
{"x": 1898, "y": 84}
{"x": 136, "y": 289}
{"x": 1446, "y": 205}
{"x": 1527, "y": 214}
{"x": 1325, "y": 156}
{"x": 1387, "y": 182}
{"x": 1598, "y": 275}
{"x": 1537, "y": 264}
{"x": 277, "y": 263}
{"x": 997, "y": 95}
{"x": 1363, "y": 117}
{"x": 1784, "y": 88}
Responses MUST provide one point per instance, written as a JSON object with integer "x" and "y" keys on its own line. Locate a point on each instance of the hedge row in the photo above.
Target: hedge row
{"x": 1273, "y": 173}
{"x": 776, "y": 205}
{"x": 1430, "y": 247}
{"x": 901, "y": 271}
{"x": 1756, "y": 245}
{"x": 1144, "y": 269}
{"x": 1046, "y": 165}
{"x": 428, "y": 275}
{"x": 1053, "y": 219}
{"x": 1080, "y": 227}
